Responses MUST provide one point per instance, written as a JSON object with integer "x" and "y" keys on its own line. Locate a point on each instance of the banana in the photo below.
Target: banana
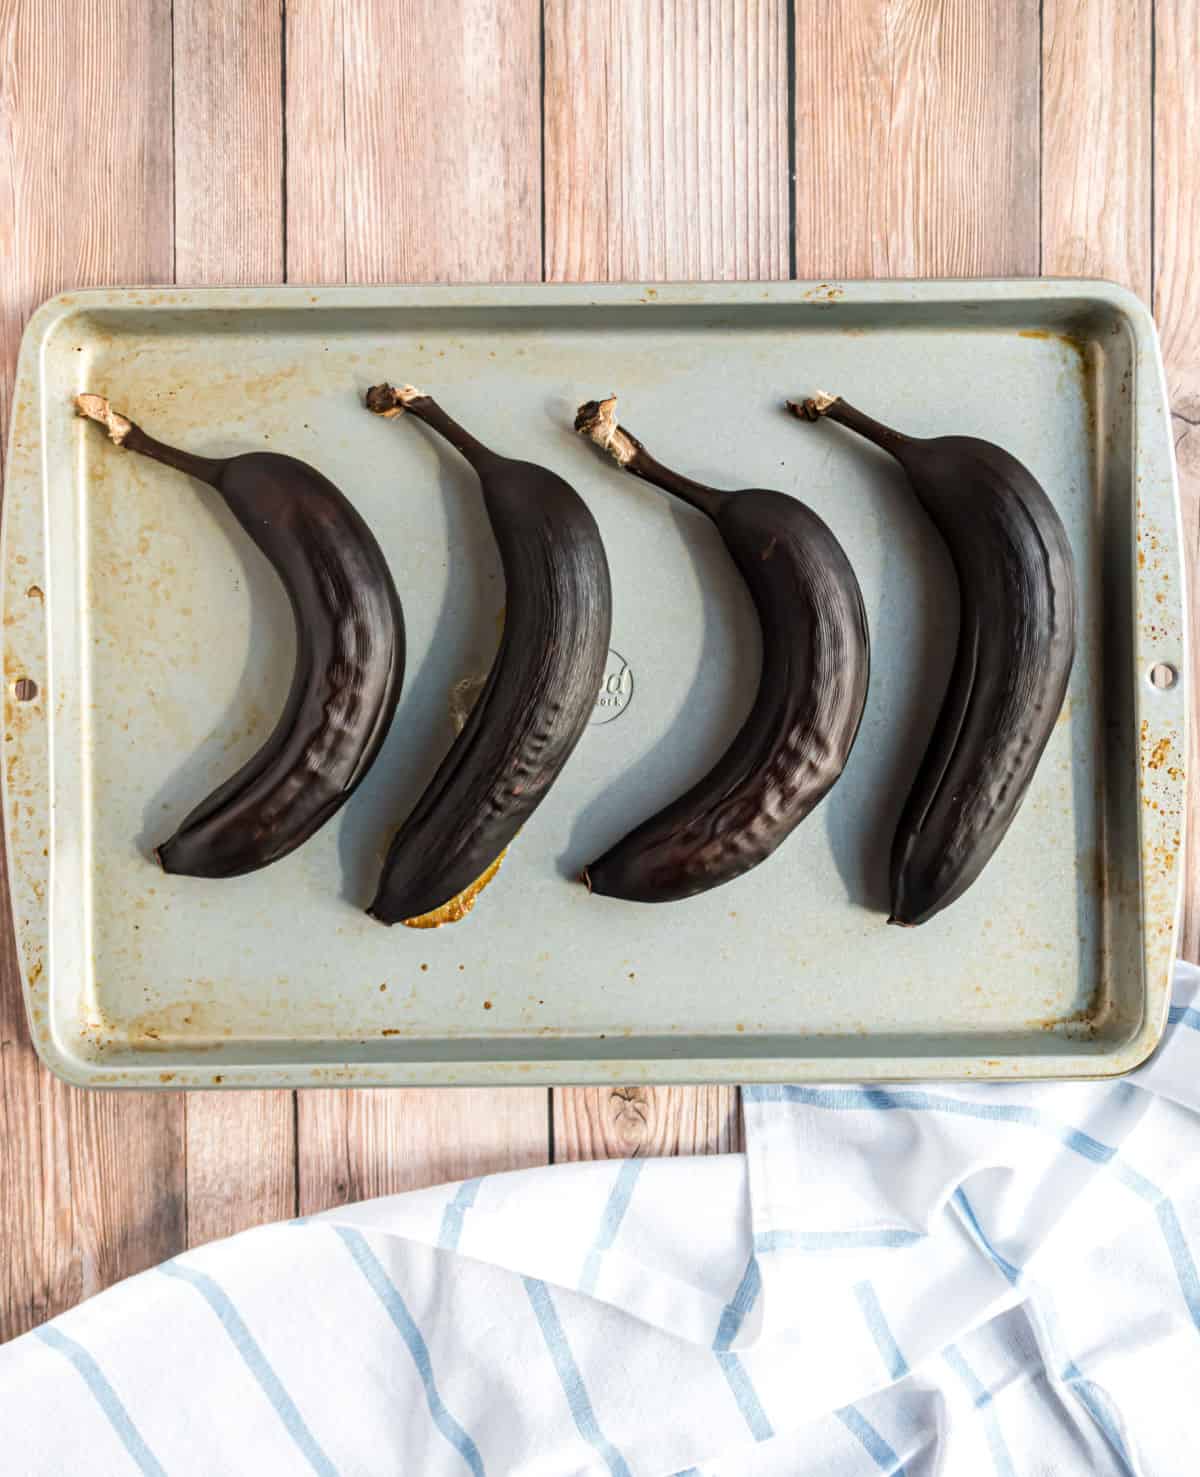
{"x": 539, "y": 693}
{"x": 1016, "y": 645}
{"x": 795, "y": 742}
{"x": 349, "y": 656}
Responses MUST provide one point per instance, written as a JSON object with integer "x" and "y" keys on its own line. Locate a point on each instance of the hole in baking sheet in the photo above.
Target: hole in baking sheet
{"x": 24, "y": 689}
{"x": 1163, "y": 676}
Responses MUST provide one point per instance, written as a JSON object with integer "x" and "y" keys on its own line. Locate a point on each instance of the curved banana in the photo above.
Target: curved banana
{"x": 1016, "y": 645}
{"x": 798, "y": 736}
{"x": 349, "y": 656}
{"x": 539, "y": 694}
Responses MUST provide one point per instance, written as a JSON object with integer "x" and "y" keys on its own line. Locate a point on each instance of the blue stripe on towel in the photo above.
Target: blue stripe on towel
{"x": 883, "y": 1099}
{"x": 745, "y": 1394}
{"x": 873, "y": 1443}
{"x": 106, "y": 1398}
{"x": 614, "y": 1211}
{"x": 890, "y": 1236}
{"x": 452, "y": 1216}
{"x": 982, "y": 1397}
{"x": 738, "y": 1308}
{"x": 1011, "y": 1272}
{"x": 868, "y": 1300}
{"x": 389, "y": 1295}
{"x": 256, "y": 1361}
{"x": 1096, "y": 1403}
{"x": 570, "y": 1378}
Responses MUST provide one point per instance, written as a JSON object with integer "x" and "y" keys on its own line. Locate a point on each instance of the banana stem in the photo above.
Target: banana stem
{"x": 597, "y": 419}
{"x": 97, "y": 408}
{"x": 122, "y": 432}
{"x": 834, "y": 408}
{"x": 387, "y": 401}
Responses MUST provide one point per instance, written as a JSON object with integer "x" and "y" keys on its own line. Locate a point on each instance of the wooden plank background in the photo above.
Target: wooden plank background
{"x": 362, "y": 141}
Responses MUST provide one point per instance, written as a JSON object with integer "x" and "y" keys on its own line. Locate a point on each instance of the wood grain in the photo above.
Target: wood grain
{"x": 413, "y": 141}
{"x": 917, "y": 139}
{"x": 228, "y": 141}
{"x": 1096, "y": 122}
{"x": 41, "y": 1270}
{"x": 377, "y": 1141}
{"x": 315, "y": 126}
{"x": 1177, "y": 307}
{"x": 666, "y": 136}
{"x": 229, "y": 228}
{"x": 241, "y": 1162}
{"x": 91, "y": 1185}
{"x": 413, "y": 154}
{"x": 666, "y": 139}
{"x": 626, "y": 1122}
{"x": 70, "y": 133}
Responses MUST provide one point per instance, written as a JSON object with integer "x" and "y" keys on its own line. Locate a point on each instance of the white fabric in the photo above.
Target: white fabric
{"x": 956, "y": 1280}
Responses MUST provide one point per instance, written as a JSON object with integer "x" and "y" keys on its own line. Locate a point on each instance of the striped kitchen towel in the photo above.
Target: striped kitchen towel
{"x": 954, "y": 1279}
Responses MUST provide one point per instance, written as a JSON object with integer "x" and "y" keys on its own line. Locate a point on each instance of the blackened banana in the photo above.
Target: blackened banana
{"x": 349, "y": 656}
{"x": 798, "y": 736}
{"x": 539, "y": 694}
{"x": 1016, "y": 644}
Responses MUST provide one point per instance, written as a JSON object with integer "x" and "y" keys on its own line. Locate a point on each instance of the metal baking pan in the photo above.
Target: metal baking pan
{"x": 148, "y": 649}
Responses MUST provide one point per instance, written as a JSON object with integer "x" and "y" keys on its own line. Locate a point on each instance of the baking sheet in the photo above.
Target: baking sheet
{"x": 160, "y": 646}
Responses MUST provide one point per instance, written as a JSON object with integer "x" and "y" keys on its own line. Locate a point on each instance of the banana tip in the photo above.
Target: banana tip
{"x": 586, "y": 878}
{"x": 898, "y": 922}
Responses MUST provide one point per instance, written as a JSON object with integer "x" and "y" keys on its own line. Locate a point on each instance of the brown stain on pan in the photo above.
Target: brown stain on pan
{"x": 825, "y": 294}
{"x": 198, "y": 1022}
{"x": 1083, "y": 1023}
